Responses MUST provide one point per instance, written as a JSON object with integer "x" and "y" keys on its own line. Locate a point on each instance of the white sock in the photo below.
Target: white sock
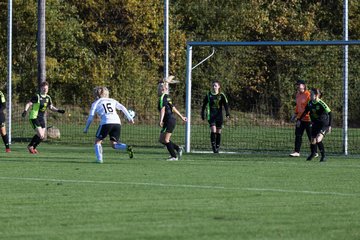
{"x": 98, "y": 151}
{"x": 121, "y": 146}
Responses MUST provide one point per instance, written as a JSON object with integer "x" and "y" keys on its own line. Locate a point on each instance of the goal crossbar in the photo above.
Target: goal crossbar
{"x": 275, "y": 43}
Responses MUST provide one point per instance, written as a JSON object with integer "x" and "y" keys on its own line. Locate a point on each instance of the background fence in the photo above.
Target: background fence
{"x": 248, "y": 132}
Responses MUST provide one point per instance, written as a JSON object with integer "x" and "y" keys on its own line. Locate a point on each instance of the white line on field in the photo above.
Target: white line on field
{"x": 183, "y": 186}
{"x": 194, "y": 162}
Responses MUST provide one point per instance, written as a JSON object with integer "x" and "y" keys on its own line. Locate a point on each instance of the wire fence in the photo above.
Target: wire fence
{"x": 243, "y": 132}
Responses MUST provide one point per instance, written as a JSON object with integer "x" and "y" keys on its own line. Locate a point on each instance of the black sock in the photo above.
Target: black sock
{"x": 218, "y": 139}
{"x": 176, "y": 147}
{"x": 6, "y": 141}
{"x": 213, "y": 141}
{"x": 35, "y": 141}
{"x": 212, "y": 138}
{"x": 170, "y": 148}
{"x": 313, "y": 148}
{"x": 321, "y": 148}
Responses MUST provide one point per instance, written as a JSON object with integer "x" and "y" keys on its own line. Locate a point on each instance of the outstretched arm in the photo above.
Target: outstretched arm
{"x": 179, "y": 114}
{"x": 122, "y": 108}
{"x": 55, "y": 109}
{"x": 88, "y": 122}
{"x": 303, "y": 115}
{"x": 27, "y": 106}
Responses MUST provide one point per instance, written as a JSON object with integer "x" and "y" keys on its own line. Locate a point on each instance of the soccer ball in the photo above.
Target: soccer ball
{"x": 132, "y": 113}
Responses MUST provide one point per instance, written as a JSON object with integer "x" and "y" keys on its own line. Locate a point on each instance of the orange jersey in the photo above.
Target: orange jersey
{"x": 302, "y": 100}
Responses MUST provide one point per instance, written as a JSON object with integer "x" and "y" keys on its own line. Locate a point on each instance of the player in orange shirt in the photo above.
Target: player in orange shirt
{"x": 302, "y": 99}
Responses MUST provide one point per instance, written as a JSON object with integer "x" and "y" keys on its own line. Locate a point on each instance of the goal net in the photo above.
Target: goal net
{"x": 259, "y": 79}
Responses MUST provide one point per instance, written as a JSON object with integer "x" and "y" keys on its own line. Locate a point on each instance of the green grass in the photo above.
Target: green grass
{"x": 62, "y": 194}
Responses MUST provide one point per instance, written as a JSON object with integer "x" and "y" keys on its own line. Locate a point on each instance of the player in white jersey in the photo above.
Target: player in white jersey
{"x": 110, "y": 123}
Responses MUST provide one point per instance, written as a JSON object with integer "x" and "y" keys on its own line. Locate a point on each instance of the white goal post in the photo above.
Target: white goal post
{"x": 189, "y": 68}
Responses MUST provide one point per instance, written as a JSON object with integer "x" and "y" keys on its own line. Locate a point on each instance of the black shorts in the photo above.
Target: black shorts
{"x": 216, "y": 120}
{"x": 169, "y": 125}
{"x": 37, "y": 122}
{"x": 2, "y": 119}
{"x": 319, "y": 128}
{"x": 113, "y": 130}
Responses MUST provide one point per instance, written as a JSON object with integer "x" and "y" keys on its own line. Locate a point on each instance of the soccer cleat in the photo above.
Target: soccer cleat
{"x": 7, "y": 150}
{"x": 130, "y": 151}
{"x": 323, "y": 158}
{"x": 99, "y": 161}
{"x": 180, "y": 152}
{"x": 310, "y": 157}
{"x": 294, "y": 154}
{"x": 215, "y": 150}
{"x": 35, "y": 151}
{"x": 32, "y": 150}
{"x": 172, "y": 159}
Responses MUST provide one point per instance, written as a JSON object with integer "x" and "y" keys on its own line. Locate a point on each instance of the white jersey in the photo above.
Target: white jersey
{"x": 106, "y": 108}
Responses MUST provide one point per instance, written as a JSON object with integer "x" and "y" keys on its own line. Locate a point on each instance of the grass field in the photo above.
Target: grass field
{"x": 62, "y": 194}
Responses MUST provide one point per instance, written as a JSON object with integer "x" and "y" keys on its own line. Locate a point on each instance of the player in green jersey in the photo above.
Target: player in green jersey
{"x": 213, "y": 103}
{"x": 38, "y": 105}
{"x": 321, "y": 118}
{"x": 4, "y": 136}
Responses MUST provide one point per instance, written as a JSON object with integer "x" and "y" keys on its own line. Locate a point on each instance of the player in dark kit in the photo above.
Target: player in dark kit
{"x": 4, "y": 136}
{"x": 168, "y": 121}
{"x": 321, "y": 118}
{"x": 213, "y": 103}
{"x": 39, "y": 104}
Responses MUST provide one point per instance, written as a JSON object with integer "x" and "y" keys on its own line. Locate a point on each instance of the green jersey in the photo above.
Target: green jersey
{"x": 165, "y": 101}
{"x": 213, "y": 104}
{"x": 319, "y": 111}
{"x": 40, "y": 104}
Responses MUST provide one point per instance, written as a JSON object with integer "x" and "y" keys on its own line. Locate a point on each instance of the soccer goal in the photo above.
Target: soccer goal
{"x": 258, "y": 79}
